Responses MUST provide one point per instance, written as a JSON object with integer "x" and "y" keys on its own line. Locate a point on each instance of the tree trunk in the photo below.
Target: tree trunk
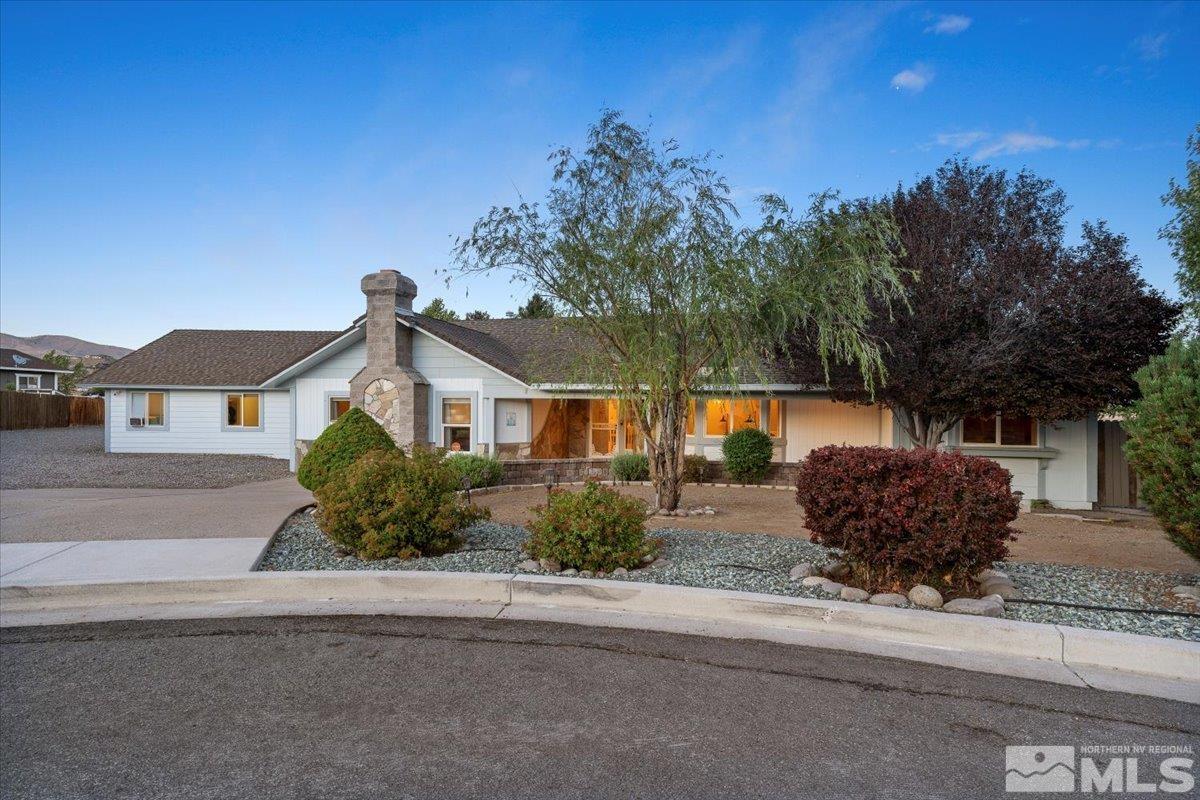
{"x": 924, "y": 430}
{"x": 666, "y": 457}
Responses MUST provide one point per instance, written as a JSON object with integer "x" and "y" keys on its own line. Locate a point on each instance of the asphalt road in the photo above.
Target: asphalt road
{"x": 387, "y": 707}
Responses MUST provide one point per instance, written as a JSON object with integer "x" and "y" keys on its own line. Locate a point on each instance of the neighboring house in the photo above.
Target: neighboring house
{"x": 27, "y": 373}
{"x": 501, "y": 386}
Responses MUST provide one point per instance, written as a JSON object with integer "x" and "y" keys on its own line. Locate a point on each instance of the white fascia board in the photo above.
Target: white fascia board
{"x": 336, "y": 346}
{"x": 748, "y": 388}
{"x": 181, "y": 387}
{"x": 36, "y": 369}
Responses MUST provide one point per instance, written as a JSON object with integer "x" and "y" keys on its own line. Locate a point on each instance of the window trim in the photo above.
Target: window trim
{"x": 703, "y": 437}
{"x": 329, "y": 398}
{"x": 440, "y": 430}
{"x": 1038, "y": 437}
{"x": 262, "y": 413}
{"x": 37, "y": 378}
{"x": 166, "y": 426}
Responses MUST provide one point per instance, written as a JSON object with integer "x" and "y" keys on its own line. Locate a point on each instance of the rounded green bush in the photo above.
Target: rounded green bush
{"x": 630, "y": 467}
{"x": 747, "y": 455}
{"x": 340, "y": 445}
{"x": 1164, "y": 441}
{"x": 390, "y": 504}
{"x": 596, "y": 528}
{"x": 479, "y": 470}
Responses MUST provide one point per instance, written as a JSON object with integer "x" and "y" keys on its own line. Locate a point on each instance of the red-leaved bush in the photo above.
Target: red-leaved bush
{"x": 908, "y": 516}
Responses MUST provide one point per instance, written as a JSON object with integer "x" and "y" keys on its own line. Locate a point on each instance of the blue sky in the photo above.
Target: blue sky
{"x": 241, "y": 166}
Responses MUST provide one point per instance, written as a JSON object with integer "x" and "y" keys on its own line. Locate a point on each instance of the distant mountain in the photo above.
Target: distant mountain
{"x": 40, "y": 345}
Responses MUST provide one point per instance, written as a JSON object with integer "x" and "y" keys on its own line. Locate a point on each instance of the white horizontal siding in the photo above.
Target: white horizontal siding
{"x": 194, "y": 426}
{"x": 438, "y": 361}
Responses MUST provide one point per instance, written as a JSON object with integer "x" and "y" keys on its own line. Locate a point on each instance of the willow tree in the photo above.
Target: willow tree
{"x": 639, "y": 249}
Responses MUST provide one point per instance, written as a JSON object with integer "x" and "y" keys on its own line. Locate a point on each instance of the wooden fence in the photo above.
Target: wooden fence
{"x": 21, "y": 410}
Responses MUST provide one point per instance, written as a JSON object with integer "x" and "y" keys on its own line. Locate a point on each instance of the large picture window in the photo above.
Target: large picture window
{"x": 456, "y": 424}
{"x": 1000, "y": 430}
{"x": 723, "y": 417}
{"x": 243, "y": 410}
{"x": 28, "y": 382}
{"x": 147, "y": 409}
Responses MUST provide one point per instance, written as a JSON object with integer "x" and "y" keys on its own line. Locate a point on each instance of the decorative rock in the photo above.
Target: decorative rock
{"x": 649, "y": 557}
{"x": 984, "y": 574}
{"x": 550, "y": 565}
{"x": 341, "y": 552}
{"x": 601, "y": 574}
{"x": 1004, "y": 590}
{"x": 832, "y": 588}
{"x": 620, "y": 571}
{"x": 835, "y": 569}
{"x": 529, "y": 566}
{"x": 1184, "y": 590}
{"x": 569, "y": 572}
{"x": 660, "y": 563}
{"x": 887, "y": 599}
{"x": 801, "y": 570}
{"x": 978, "y": 608}
{"x": 994, "y": 598}
{"x": 708, "y": 512}
{"x": 815, "y": 580}
{"x": 663, "y": 512}
{"x": 925, "y": 596}
{"x": 853, "y": 594}
{"x": 586, "y": 573}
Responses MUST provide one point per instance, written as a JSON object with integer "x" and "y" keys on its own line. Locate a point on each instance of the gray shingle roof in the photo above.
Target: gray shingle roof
{"x": 212, "y": 358}
{"x": 15, "y": 359}
{"x": 530, "y": 350}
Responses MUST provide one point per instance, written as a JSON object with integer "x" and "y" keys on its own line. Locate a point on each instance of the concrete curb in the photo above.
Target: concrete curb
{"x": 1075, "y": 656}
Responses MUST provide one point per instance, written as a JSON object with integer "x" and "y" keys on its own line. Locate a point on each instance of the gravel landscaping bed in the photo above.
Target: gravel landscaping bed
{"x": 760, "y": 563}
{"x": 74, "y": 458}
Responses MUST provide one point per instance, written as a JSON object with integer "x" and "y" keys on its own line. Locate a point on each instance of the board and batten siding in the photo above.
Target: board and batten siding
{"x": 194, "y": 426}
{"x": 448, "y": 371}
{"x": 812, "y": 422}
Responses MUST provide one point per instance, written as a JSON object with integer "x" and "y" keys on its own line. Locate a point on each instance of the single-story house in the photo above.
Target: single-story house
{"x": 27, "y": 373}
{"x": 498, "y": 386}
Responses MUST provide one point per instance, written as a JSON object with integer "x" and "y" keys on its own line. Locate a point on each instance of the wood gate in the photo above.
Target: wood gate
{"x": 1119, "y": 486}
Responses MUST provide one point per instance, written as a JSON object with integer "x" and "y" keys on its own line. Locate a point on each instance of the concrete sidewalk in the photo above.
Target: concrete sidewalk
{"x": 73, "y": 515}
{"x": 51, "y": 563}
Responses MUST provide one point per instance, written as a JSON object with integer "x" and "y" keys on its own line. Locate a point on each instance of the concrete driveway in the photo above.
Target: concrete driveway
{"x": 383, "y": 707}
{"x": 72, "y": 515}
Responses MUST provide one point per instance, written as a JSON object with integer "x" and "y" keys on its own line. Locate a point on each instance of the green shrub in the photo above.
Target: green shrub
{"x": 340, "y": 445}
{"x": 630, "y": 467}
{"x": 695, "y": 469}
{"x": 391, "y": 504}
{"x": 747, "y": 455}
{"x": 481, "y": 470}
{"x": 1164, "y": 441}
{"x": 596, "y": 528}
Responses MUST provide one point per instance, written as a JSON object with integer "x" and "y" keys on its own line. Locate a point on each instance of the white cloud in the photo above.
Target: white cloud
{"x": 960, "y": 139}
{"x": 914, "y": 79}
{"x": 825, "y": 52}
{"x": 1012, "y": 143}
{"x": 1015, "y": 142}
{"x": 949, "y": 24}
{"x": 1151, "y": 47}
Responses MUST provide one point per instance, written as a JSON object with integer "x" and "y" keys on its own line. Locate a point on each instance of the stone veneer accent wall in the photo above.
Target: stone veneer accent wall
{"x": 388, "y": 388}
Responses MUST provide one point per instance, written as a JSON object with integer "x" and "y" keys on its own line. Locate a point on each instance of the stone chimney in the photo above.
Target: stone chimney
{"x": 388, "y": 388}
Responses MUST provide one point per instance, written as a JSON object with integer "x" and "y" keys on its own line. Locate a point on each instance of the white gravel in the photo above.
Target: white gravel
{"x": 74, "y": 458}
